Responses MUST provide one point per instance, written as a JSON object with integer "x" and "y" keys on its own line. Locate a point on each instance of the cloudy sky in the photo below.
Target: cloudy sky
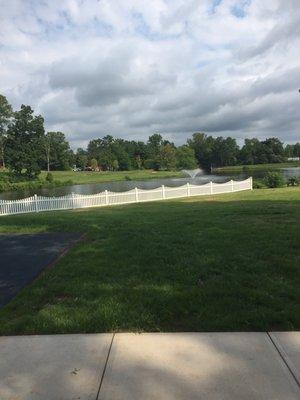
{"x": 134, "y": 67}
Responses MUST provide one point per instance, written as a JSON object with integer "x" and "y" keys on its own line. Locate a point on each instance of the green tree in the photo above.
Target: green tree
{"x": 5, "y": 118}
{"x": 57, "y": 151}
{"x": 81, "y": 158}
{"x": 224, "y": 151}
{"x": 274, "y": 151}
{"x": 25, "y": 139}
{"x": 185, "y": 156}
{"x": 115, "y": 165}
{"x": 94, "y": 164}
{"x": 203, "y": 147}
{"x": 167, "y": 157}
{"x": 153, "y": 145}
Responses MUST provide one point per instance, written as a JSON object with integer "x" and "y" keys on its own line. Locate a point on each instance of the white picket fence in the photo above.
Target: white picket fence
{"x": 106, "y": 198}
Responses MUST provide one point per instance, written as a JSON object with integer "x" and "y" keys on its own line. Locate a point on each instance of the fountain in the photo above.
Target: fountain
{"x": 193, "y": 172}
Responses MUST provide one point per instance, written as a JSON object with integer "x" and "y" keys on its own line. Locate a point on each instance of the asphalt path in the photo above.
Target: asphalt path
{"x": 24, "y": 257}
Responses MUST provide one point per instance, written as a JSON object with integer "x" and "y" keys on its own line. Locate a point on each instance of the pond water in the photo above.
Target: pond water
{"x": 122, "y": 186}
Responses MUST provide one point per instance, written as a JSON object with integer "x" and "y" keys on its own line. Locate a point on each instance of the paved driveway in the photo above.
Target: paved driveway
{"x": 23, "y": 258}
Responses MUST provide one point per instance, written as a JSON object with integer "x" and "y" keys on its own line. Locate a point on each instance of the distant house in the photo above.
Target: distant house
{"x": 293, "y": 159}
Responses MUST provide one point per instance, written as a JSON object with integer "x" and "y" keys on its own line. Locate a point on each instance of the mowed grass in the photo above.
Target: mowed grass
{"x": 221, "y": 263}
{"x": 258, "y": 167}
{"x": 82, "y": 177}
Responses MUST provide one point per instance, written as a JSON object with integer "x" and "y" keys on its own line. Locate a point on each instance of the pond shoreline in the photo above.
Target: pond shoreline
{"x": 257, "y": 167}
{"x": 102, "y": 177}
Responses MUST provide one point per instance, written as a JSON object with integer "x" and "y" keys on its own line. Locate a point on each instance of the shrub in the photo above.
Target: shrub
{"x": 293, "y": 181}
{"x": 274, "y": 180}
{"x": 258, "y": 184}
{"x": 127, "y": 178}
{"x": 49, "y": 177}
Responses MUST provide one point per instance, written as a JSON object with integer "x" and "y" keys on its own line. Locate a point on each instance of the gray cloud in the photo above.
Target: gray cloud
{"x": 95, "y": 68}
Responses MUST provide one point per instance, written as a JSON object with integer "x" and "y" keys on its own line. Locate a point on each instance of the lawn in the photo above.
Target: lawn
{"x": 258, "y": 167}
{"x": 81, "y": 177}
{"x": 217, "y": 263}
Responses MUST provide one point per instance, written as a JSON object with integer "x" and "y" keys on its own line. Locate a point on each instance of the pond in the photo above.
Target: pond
{"x": 122, "y": 186}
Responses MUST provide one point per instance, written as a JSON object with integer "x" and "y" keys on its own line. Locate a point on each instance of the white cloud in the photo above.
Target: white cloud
{"x": 93, "y": 67}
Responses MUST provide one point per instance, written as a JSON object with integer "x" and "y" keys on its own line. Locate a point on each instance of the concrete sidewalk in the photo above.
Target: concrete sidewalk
{"x": 208, "y": 366}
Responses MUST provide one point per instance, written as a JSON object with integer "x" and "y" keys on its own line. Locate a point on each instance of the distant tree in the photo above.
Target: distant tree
{"x": 296, "y": 151}
{"x": 24, "y": 145}
{"x": 273, "y": 149}
{"x": 251, "y": 152}
{"x": 115, "y": 165}
{"x": 81, "y": 158}
{"x": 153, "y": 145}
{"x": 185, "y": 157}
{"x": 292, "y": 150}
{"x": 6, "y": 113}
{"x": 167, "y": 157}
{"x": 224, "y": 151}
{"x": 94, "y": 164}
{"x": 57, "y": 151}
{"x": 289, "y": 150}
{"x": 203, "y": 147}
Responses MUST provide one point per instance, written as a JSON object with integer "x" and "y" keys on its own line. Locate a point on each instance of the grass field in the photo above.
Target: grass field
{"x": 64, "y": 178}
{"x": 81, "y": 177}
{"x": 258, "y": 167}
{"x": 217, "y": 263}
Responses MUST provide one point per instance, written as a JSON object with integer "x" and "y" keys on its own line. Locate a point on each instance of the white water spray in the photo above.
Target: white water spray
{"x": 193, "y": 172}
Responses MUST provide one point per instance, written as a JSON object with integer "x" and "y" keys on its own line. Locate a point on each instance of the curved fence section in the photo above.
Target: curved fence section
{"x": 73, "y": 201}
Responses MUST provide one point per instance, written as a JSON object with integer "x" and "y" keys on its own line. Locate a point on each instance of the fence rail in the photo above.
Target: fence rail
{"x": 106, "y": 198}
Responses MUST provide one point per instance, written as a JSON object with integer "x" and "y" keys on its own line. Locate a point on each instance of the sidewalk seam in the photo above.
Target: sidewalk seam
{"x": 284, "y": 360}
{"x": 105, "y": 365}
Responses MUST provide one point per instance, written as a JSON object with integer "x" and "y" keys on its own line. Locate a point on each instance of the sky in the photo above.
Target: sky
{"x": 131, "y": 68}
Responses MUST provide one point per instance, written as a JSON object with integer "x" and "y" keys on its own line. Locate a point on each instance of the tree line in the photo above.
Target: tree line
{"x": 26, "y": 149}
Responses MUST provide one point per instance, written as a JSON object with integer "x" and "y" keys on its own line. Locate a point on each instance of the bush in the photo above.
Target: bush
{"x": 127, "y": 178}
{"x": 293, "y": 181}
{"x": 49, "y": 177}
{"x": 258, "y": 184}
{"x": 274, "y": 180}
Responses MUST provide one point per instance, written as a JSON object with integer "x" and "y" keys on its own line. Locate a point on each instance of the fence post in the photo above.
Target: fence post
{"x": 136, "y": 194}
{"x": 106, "y": 197}
{"x": 163, "y": 191}
{"x": 188, "y": 189}
{"x": 36, "y": 203}
{"x": 251, "y": 183}
{"x": 73, "y": 203}
{"x": 232, "y": 188}
{"x": 211, "y": 187}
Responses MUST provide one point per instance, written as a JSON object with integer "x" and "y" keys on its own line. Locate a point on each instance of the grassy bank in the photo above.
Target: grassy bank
{"x": 257, "y": 167}
{"x": 82, "y": 177}
{"x": 66, "y": 178}
{"x": 215, "y": 263}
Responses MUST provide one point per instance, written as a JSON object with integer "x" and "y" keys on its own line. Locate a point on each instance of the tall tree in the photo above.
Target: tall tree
{"x": 81, "y": 158}
{"x": 57, "y": 151}
{"x": 225, "y": 151}
{"x": 5, "y": 118}
{"x": 25, "y": 143}
{"x": 167, "y": 157}
{"x": 203, "y": 147}
{"x": 185, "y": 156}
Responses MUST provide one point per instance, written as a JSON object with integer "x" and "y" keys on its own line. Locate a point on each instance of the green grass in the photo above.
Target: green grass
{"x": 221, "y": 263}
{"x": 82, "y": 177}
{"x": 67, "y": 178}
{"x": 258, "y": 167}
